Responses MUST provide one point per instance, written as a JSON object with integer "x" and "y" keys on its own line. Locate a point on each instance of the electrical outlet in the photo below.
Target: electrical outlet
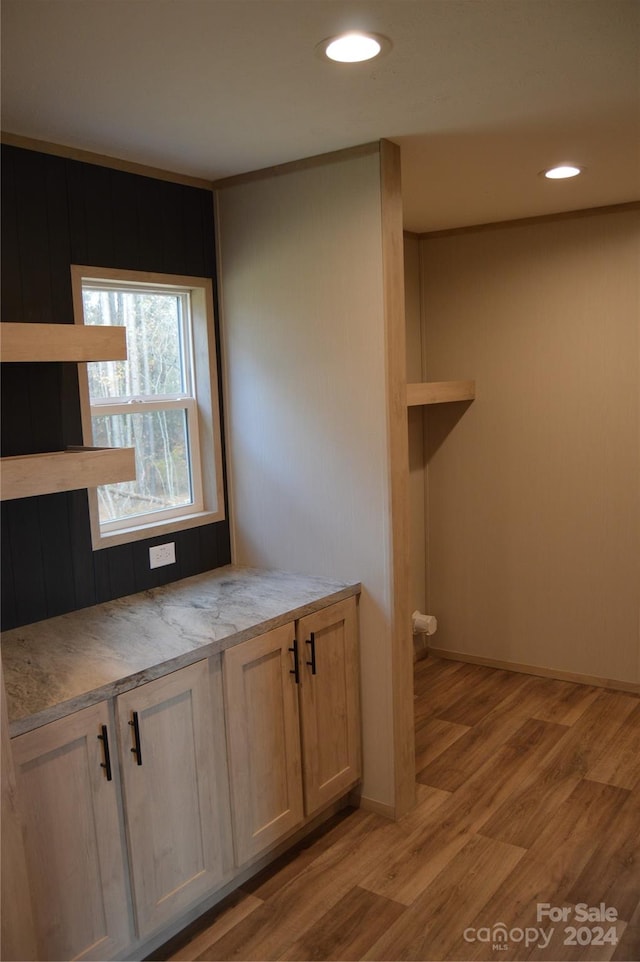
{"x": 162, "y": 554}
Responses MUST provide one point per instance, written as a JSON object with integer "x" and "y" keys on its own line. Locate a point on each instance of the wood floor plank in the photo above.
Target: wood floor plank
{"x": 254, "y": 938}
{"x": 405, "y": 873}
{"x": 612, "y": 873}
{"x": 428, "y": 670}
{"x": 293, "y": 862}
{"x": 433, "y": 737}
{"x": 223, "y": 919}
{"x": 550, "y": 868}
{"x": 435, "y": 920}
{"x": 619, "y": 759}
{"x": 439, "y": 677}
{"x": 348, "y": 930}
{"x": 541, "y": 806}
{"x": 296, "y": 906}
{"x": 589, "y": 811}
{"x": 565, "y": 702}
{"x": 275, "y": 925}
{"x": 503, "y": 770}
{"x": 521, "y": 820}
{"x": 472, "y": 705}
{"x": 628, "y": 948}
{"x": 551, "y": 700}
{"x": 447, "y": 688}
{"x": 459, "y": 762}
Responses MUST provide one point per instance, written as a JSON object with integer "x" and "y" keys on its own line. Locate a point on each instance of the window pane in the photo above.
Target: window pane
{"x": 155, "y": 362}
{"x": 163, "y": 482}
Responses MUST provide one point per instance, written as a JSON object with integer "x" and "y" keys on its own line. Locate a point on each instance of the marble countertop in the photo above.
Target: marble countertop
{"x": 57, "y": 666}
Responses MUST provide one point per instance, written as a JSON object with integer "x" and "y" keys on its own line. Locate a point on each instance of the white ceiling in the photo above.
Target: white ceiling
{"x": 480, "y": 94}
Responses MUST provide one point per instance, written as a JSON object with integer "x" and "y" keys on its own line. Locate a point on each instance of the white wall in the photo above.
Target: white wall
{"x": 303, "y": 341}
{"x": 533, "y": 492}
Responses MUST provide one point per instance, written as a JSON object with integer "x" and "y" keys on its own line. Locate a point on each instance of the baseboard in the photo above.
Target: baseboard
{"x": 579, "y": 679}
{"x": 372, "y": 805}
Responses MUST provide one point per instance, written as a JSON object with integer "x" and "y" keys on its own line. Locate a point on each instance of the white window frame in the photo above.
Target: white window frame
{"x": 203, "y": 413}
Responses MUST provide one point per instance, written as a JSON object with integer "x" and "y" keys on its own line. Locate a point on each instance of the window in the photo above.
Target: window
{"x": 163, "y": 401}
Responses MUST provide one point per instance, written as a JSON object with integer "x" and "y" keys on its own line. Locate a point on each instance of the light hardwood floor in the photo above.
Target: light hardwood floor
{"x": 528, "y": 793}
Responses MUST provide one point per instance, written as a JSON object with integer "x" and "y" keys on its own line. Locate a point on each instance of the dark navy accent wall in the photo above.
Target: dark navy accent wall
{"x": 57, "y": 212}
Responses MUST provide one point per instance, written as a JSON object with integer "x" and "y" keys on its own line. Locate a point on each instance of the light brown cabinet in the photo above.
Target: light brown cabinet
{"x": 175, "y": 824}
{"x": 175, "y": 790}
{"x": 293, "y": 730}
{"x": 329, "y": 703}
{"x": 135, "y": 807}
{"x": 74, "y": 837}
{"x": 263, "y": 739}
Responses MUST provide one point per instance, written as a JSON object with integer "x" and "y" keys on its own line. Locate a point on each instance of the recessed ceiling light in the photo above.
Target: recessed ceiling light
{"x": 562, "y": 172}
{"x": 354, "y": 47}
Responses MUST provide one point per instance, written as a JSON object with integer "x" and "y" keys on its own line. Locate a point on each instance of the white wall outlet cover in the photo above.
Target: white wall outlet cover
{"x": 162, "y": 554}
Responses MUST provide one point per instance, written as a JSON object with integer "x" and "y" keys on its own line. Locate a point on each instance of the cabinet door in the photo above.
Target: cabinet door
{"x": 169, "y": 761}
{"x": 74, "y": 837}
{"x": 264, "y": 741}
{"x": 329, "y": 703}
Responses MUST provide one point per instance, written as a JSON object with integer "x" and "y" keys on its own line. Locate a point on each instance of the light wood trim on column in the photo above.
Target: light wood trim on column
{"x": 398, "y": 461}
{"x": 18, "y": 932}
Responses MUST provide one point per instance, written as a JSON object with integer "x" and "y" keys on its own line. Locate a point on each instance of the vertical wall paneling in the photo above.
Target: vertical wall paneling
{"x": 59, "y": 235}
{"x": 70, "y": 413}
{"x": 150, "y": 225}
{"x": 11, "y": 283}
{"x": 29, "y": 184}
{"x": 57, "y": 212}
{"x": 45, "y": 382}
{"x": 95, "y": 185}
{"x": 190, "y": 554}
{"x": 76, "y": 206}
{"x": 25, "y": 559}
{"x": 15, "y": 409}
{"x": 173, "y": 232}
{"x": 85, "y": 576}
{"x": 102, "y": 575}
{"x": 124, "y": 211}
{"x": 57, "y": 560}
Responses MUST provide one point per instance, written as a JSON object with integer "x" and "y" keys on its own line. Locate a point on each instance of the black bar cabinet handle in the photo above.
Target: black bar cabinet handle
{"x": 296, "y": 664}
{"x": 106, "y": 764}
{"x": 311, "y": 640}
{"x": 136, "y": 737}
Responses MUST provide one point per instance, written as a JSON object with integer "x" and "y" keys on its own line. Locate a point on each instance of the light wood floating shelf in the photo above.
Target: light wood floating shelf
{"x": 440, "y": 392}
{"x": 28, "y": 475}
{"x": 62, "y": 342}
